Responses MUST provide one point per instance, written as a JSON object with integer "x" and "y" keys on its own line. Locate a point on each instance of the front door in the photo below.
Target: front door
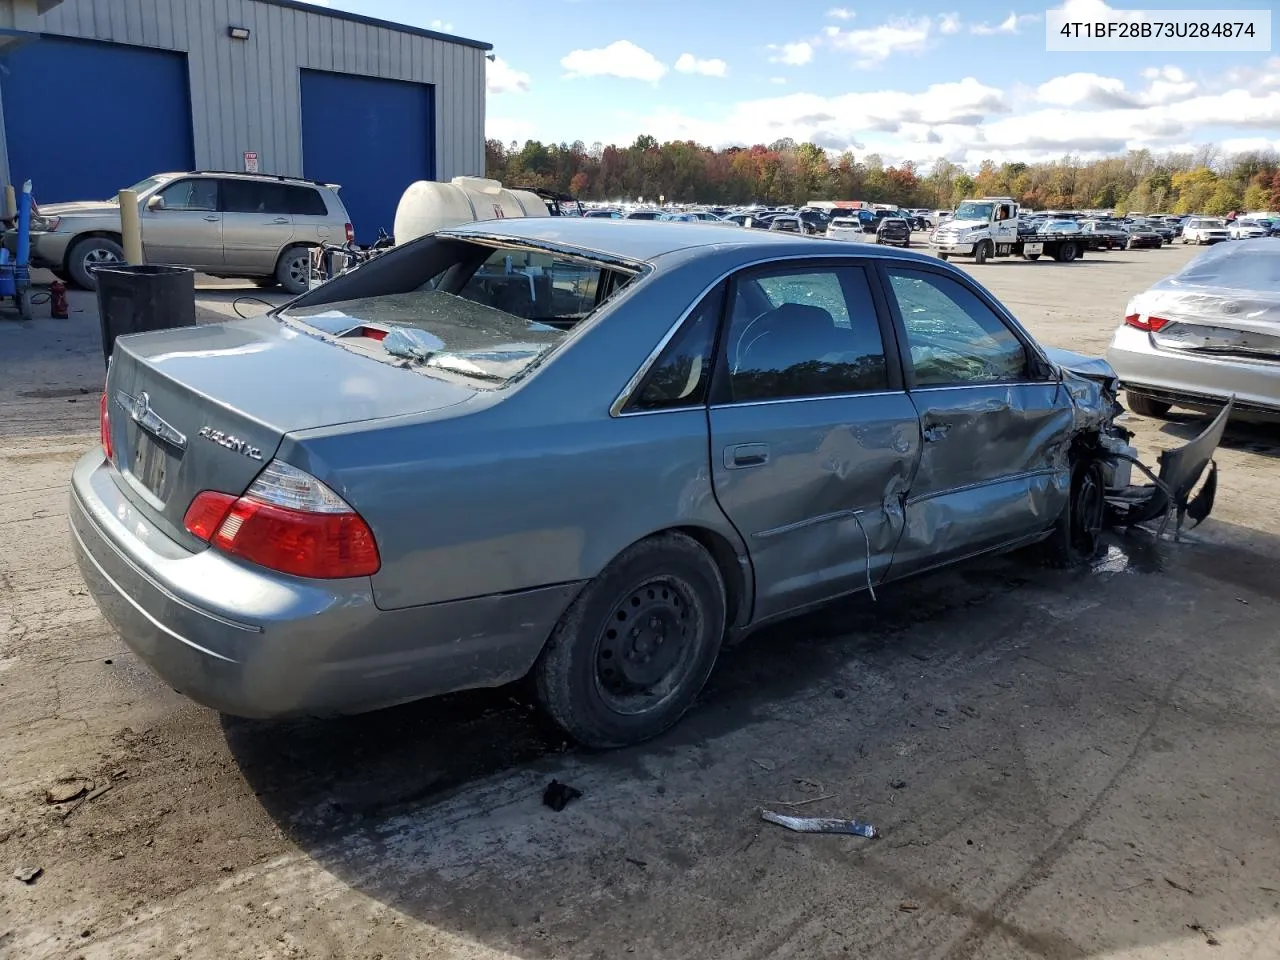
{"x": 186, "y": 229}
{"x": 993, "y": 419}
{"x": 1004, "y": 225}
{"x": 259, "y": 224}
{"x": 813, "y": 439}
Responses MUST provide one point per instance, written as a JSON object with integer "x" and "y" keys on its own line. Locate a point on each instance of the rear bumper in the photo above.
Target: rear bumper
{"x": 1194, "y": 380}
{"x": 257, "y": 644}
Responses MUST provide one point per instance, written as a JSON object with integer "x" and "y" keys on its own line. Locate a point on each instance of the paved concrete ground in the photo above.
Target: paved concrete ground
{"x": 1062, "y": 765}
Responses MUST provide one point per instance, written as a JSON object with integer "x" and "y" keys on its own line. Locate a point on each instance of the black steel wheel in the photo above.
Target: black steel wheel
{"x": 1077, "y": 535}
{"x": 635, "y": 647}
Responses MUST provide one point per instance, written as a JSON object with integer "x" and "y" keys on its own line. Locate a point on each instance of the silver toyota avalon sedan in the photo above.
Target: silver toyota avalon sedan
{"x": 584, "y": 449}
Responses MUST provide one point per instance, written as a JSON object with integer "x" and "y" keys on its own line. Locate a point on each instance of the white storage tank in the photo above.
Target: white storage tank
{"x": 429, "y": 205}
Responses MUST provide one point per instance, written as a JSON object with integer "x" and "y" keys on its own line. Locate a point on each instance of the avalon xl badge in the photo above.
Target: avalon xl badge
{"x": 234, "y": 444}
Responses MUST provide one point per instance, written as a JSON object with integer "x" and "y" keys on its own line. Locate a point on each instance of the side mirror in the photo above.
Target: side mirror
{"x": 155, "y": 203}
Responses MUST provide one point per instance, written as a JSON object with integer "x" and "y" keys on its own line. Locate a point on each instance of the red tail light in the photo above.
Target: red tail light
{"x": 1140, "y": 322}
{"x": 104, "y": 427}
{"x": 351, "y": 233}
{"x": 287, "y": 521}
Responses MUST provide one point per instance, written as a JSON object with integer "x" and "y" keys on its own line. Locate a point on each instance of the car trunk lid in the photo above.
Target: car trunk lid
{"x": 205, "y": 407}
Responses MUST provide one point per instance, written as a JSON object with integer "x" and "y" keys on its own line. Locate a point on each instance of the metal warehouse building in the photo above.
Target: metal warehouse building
{"x": 97, "y": 94}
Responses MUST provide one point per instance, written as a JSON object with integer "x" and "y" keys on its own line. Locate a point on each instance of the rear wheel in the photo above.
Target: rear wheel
{"x": 1146, "y": 406}
{"x": 1077, "y": 536}
{"x": 1066, "y": 253}
{"x": 632, "y": 652}
{"x": 294, "y": 270}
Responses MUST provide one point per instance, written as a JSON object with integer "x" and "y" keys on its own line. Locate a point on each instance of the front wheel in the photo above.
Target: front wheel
{"x": 90, "y": 253}
{"x": 906, "y": 243}
{"x": 981, "y": 253}
{"x": 1077, "y": 535}
{"x": 943, "y": 256}
{"x": 634, "y": 649}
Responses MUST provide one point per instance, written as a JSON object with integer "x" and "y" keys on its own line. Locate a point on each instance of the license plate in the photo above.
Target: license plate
{"x": 1033, "y": 248}
{"x": 152, "y": 465}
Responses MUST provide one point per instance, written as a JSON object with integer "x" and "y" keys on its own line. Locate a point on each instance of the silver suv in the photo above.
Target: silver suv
{"x": 222, "y": 224}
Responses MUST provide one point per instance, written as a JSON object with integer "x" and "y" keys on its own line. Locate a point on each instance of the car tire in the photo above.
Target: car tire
{"x": 943, "y": 256}
{"x": 1077, "y": 534}
{"x": 981, "y": 252}
{"x": 294, "y": 269}
{"x": 1066, "y": 253}
{"x": 595, "y": 679}
{"x": 906, "y": 243}
{"x": 1146, "y": 406}
{"x": 89, "y": 253}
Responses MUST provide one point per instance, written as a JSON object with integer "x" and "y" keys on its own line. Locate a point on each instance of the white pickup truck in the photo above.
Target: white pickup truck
{"x": 988, "y": 228}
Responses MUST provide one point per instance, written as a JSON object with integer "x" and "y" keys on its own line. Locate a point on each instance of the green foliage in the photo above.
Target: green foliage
{"x": 788, "y": 172}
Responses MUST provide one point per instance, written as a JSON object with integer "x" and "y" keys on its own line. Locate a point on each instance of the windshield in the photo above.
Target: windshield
{"x": 490, "y": 315}
{"x": 844, "y": 223}
{"x": 971, "y": 210}
{"x": 141, "y": 187}
{"x": 1212, "y": 224}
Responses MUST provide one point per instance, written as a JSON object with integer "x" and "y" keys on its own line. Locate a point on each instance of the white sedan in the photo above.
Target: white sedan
{"x": 1247, "y": 230}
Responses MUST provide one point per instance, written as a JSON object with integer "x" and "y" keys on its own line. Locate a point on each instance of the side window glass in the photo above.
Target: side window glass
{"x": 252, "y": 196}
{"x": 306, "y": 202}
{"x": 954, "y": 338}
{"x": 682, "y": 373}
{"x": 196, "y": 194}
{"x": 805, "y": 334}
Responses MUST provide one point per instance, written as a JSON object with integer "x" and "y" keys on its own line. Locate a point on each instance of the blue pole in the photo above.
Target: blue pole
{"x": 21, "y": 272}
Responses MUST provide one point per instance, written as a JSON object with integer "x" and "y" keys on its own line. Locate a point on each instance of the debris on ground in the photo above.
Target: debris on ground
{"x": 906, "y": 906}
{"x": 821, "y": 825}
{"x": 897, "y": 784}
{"x": 637, "y": 863}
{"x": 67, "y": 789}
{"x": 1177, "y": 886}
{"x": 558, "y": 795}
{"x": 838, "y": 693}
{"x": 28, "y": 875}
{"x": 1209, "y": 938}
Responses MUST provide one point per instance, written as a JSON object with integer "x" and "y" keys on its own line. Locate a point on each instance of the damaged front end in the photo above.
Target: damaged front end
{"x": 1172, "y": 493}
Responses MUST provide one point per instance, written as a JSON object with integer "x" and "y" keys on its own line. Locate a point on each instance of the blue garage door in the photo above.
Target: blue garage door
{"x": 85, "y": 119}
{"x": 374, "y": 137}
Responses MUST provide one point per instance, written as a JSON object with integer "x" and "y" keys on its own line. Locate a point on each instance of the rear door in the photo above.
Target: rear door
{"x": 258, "y": 224}
{"x": 813, "y": 438}
{"x": 187, "y": 229}
{"x": 994, "y": 421}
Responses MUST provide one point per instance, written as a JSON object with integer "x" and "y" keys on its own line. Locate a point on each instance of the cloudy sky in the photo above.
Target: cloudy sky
{"x": 953, "y": 78}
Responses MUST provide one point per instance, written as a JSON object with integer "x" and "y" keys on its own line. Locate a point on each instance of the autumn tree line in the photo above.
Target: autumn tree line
{"x": 786, "y": 172}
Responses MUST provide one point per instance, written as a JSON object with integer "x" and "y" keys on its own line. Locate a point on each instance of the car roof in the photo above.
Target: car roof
{"x": 644, "y": 241}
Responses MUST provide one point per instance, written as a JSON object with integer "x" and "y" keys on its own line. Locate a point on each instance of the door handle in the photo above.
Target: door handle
{"x": 213, "y": 219}
{"x": 746, "y": 455}
{"x": 280, "y": 220}
{"x": 934, "y": 432}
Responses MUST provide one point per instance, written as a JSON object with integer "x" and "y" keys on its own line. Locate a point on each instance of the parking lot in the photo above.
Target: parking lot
{"x": 1060, "y": 764}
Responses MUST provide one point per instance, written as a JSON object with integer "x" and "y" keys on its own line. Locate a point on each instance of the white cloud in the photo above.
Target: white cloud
{"x": 837, "y": 123}
{"x": 622, "y": 58}
{"x": 793, "y": 54}
{"x": 841, "y": 13}
{"x": 1165, "y": 85}
{"x": 501, "y": 77}
{"x": 873, "y": 46}
{"x": 778, "y": 80}
{"x": 688, "y": 63}
{"x": 1010, "y": 24}
{"x": 949, "y": 23}
{"x": 442, "y": 25}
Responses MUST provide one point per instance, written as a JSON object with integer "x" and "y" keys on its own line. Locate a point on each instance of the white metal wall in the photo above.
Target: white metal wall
{"x": 245, "y": 94}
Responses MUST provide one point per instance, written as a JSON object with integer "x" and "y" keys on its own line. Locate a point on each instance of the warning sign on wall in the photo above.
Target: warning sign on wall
{"x": 250, "y": 161}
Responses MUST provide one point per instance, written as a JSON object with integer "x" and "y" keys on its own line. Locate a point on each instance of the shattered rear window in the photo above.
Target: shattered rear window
{"x": 488, "y": 317}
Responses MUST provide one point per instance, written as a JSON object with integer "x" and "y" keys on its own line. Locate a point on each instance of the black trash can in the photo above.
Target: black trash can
{"x": 134, "y": 299}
